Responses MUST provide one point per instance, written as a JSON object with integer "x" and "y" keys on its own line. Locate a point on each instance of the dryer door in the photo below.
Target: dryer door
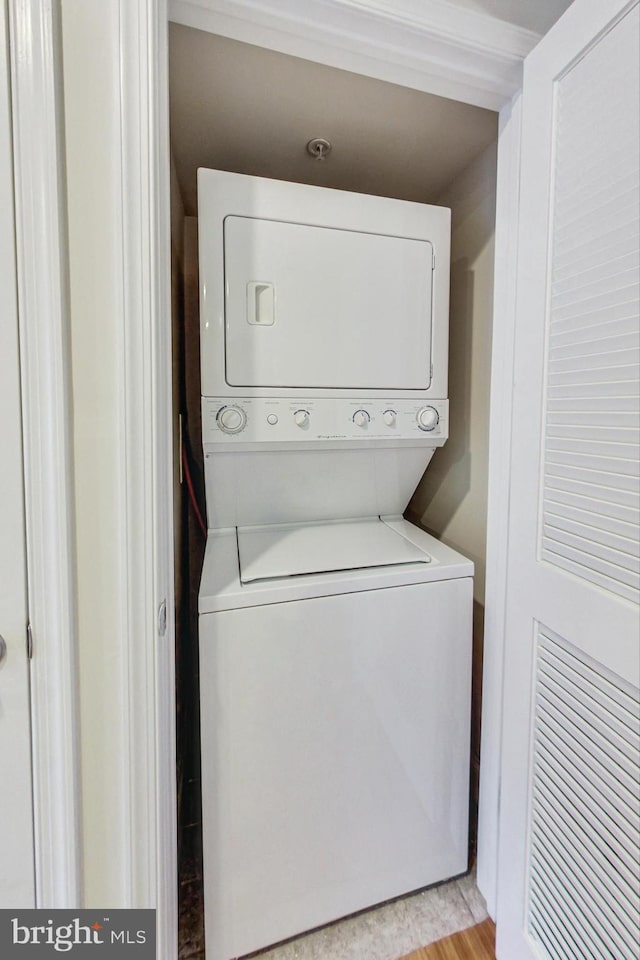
{"x": 312, "y": 307}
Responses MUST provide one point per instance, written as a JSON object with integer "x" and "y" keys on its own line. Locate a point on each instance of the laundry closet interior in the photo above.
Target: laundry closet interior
{"x": 249, "y": 110}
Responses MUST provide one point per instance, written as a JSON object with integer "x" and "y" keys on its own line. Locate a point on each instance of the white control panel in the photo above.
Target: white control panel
{"x": 286, "y": 420}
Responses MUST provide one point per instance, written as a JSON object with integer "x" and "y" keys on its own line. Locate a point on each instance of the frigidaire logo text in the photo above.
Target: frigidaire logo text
{"x": 64, "y": 937}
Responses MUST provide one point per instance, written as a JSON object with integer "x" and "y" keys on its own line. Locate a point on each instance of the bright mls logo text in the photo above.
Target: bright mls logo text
{"x": 64, "y": 937}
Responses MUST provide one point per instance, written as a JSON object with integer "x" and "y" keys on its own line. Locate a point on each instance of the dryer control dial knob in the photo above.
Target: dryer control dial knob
{"x": 361, "y": 418}
{"x": 231, "y": 419}
{"x": 428, "y": 418}
{"x": 301, "y": 418}
{"x": 389, "y": 417}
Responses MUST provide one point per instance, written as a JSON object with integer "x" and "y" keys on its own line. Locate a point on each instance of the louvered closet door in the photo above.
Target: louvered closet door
{"x": 568, "y": 881}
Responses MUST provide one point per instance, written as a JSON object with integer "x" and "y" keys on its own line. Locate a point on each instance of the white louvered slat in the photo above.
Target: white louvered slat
{"x": 619, "y": 714}
{"x": 598, "y": 445}
{"x": 601, "y": 529}
{"x": 594, "y": 406}
{"x": 615, "y": 788}
{"x": 601, "y": 522}
{"x": 597, "y": 932}
{"x": 615, "y": 756}
{"x": 600, "y": 353}
{"x": 616, "y": 430}
{"x": 596, "y": 938}
{"x": 583, "y": 497}
{"x": 610, "y": 288}
{"x": 589, "y": 259}
{"x": 588, "y": 573}
{"x": 611, "y": 465}
{"x": 624, "y": 186}
{"x": 594, "y": 391}
{"x": 620, "y": 236}
{"x": 579, "y": 550}
{"x": 625, "y": 307}
{"x": 584, "y": 875}
{"x": 594, "y": 375}
{"x": 608, "y": 769}
{"x": 612, "y": 343}
{"x": 601, "y": 558}
{"x": 593, "y": 338}
{"x": 616, "y": 486}
{"x": 576, "y": 847}
{"x": 593, "y": 711}
{"x": 579, "y": 306}
{"x": 620, "y": 322}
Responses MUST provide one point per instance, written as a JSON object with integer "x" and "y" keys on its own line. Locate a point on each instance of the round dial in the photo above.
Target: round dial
{"x": 389, "y": 417}
{"x": 301, "y": 418}
{"x": 231, "y": 419}
{"x": 427, "y": 418}
{"x": 361, "y": 418}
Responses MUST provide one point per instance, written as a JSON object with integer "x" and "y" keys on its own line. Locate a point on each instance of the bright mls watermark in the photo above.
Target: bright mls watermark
{"x": 79, "y": 934}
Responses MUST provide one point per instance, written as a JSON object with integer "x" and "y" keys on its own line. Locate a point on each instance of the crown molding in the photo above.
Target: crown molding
{"x": 438, "y": 47}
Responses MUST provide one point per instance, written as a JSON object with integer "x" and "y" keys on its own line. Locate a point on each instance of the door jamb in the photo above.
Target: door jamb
{"x": 499, "y": 492}
{"x": 46, "y": 410}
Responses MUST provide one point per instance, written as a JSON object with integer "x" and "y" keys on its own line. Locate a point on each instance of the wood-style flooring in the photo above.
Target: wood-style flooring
{"x": 476, "y": 943}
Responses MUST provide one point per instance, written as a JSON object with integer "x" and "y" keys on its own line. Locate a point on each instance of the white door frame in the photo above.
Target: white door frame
{"x": 45, "y": 386}
{"x": 444, "y": 50}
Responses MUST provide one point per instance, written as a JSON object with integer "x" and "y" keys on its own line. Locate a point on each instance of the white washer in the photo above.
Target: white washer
{"x": 335, "y": 637}
{"x": 335, "y": 725}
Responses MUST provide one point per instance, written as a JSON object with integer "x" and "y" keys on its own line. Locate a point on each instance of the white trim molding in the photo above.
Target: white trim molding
{"x": 502, "y": 360}
{"x": 146, "y": 467}
{"x": 44, "y": 347}
{"x": 438, "y": 47}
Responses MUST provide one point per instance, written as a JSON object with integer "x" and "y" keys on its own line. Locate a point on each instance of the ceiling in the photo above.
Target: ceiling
{"x": 243, "y": 108}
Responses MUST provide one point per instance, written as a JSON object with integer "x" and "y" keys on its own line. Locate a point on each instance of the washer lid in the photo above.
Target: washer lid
{"x": 294, "y": 549}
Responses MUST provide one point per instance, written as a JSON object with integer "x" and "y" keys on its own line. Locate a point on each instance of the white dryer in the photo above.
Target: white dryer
{"x": 335, "y": 637}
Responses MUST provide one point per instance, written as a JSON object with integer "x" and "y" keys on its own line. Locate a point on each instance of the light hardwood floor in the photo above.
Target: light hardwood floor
{"x": 476, "y": 943}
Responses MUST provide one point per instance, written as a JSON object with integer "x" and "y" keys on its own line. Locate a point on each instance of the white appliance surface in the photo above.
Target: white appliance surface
{"x": 358, "y": 422}
{"x": 309, "y": 291}
{"x": 277, "y": 460}
{"x": 289, "y": 550}
{"x": 335, "y": 739}
{"x": 222, "y": 589}
{"x": 335, "y": 637}
{"x": 309, "y": 306}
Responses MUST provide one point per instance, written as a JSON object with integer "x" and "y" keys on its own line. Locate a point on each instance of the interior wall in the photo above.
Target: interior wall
{"x": 92, "y": 117}
{"x": 451, "y": 499}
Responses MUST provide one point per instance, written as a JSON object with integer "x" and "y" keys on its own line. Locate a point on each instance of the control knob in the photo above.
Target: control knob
{"x": 389, "y": 417}
{"x": 361, "y": 418}
{"x": 231, "y": 419}
{"x": 428, "y": 418}
{"x": 301, "y": 418}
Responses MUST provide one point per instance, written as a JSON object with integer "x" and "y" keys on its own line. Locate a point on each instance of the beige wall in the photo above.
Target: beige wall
{"x": 451, "y": 500}
{"x": 92, "y": 113}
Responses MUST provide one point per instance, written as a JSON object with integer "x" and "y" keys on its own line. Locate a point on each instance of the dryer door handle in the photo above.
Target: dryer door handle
{"x": 260, "y": 304}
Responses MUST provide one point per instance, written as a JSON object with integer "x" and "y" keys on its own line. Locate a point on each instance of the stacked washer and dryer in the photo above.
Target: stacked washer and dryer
{"x": 335, "y": 637}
